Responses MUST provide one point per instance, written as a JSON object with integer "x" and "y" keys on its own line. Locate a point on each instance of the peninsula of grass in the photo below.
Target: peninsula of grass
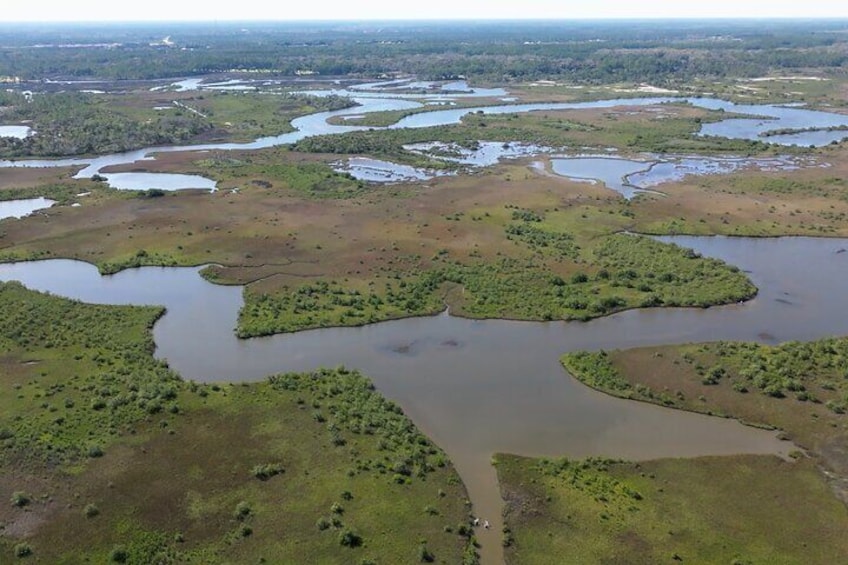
{"x": 314, "y": 180}
{"x": 705, "y": 510}
{"x": 797, "y": 387}
{"x": 728, "y": 510}
{"x": 672, "y": 130}
{"x": 387, "y": 118}
{"x": 620, "y": 272}
{"x": 108, "y": 456}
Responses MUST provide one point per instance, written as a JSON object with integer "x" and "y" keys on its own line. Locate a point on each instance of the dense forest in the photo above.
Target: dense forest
{"x": 76, "y": 124}
{"x": 592, "y": 52}
{"x": 82, "y": 123}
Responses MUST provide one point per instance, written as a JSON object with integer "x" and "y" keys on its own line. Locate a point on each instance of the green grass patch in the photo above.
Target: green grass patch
{"x": 83, "y": 387}
{"x": 310, "y": 180}
{"x": 743, "y": 509}
{"x": 597, "y": 371}
{"x": 62, "y": 193}
{"x": 330, "y": 303}
{"x": 622, "y": 272}
{"x": 809, "y": 371}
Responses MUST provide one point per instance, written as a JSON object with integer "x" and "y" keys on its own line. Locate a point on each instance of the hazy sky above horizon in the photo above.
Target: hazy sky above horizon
{"x": 289, "y": 10}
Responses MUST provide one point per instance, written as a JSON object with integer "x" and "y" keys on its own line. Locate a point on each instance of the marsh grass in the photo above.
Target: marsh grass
{"x": 181, "y": 485}
{"x": 738, "y": 509}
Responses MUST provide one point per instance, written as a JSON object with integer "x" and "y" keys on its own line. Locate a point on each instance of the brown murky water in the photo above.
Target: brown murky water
{"x": 482, "y": 387}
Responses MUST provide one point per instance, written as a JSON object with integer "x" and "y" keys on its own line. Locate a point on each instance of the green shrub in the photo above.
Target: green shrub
{"x": 23, "y": 550}
{"x": 266, "y": 471}
{"x": 119, "y": 554}
{"x": 349, "y": 538}
{"x": 424, "y": 554}
{"x": 20, "y": 499}
{"x": 243, "y": 510}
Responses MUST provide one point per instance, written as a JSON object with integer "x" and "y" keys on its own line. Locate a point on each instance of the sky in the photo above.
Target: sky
{"x": 292, "y": 10}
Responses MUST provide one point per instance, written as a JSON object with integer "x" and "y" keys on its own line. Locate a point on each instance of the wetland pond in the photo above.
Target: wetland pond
{"x": 18, "y": 132}
{"x": 162, "y": 181}
{"x": 379, "y": 171}
{"x": 23, "y": 207}
{"x": 630, "y": 177}
{"x": 482, "y": 154}
{"x": 482, "y": 387}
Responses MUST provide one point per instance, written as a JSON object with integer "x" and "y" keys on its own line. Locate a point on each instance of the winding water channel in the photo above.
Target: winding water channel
{"x": 770, "y": 118}
{"x": 482, "y": 387}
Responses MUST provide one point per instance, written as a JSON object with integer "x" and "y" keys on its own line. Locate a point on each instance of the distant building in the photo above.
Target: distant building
{"x": 166, "y": 42}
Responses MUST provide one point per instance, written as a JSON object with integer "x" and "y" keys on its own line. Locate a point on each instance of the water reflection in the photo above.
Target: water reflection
{"x": 23, "y": 207}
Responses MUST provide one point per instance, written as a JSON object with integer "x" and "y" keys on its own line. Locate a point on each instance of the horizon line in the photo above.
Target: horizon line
{"x": 469, "y": 19}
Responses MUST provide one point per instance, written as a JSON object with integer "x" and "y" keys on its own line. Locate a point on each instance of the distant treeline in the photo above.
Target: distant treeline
{"x": 591, "y": 52}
